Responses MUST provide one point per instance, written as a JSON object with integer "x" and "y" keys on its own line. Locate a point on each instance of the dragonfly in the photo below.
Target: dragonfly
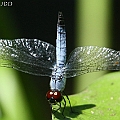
{"x": 40, "y": 58}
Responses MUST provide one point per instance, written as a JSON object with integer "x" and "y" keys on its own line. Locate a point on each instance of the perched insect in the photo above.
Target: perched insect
{"x": 40, "y": 58}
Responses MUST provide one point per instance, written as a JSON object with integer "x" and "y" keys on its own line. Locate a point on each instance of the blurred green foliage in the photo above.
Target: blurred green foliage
{"x": 93, "y": 28}
{"x": 100, "y": 101}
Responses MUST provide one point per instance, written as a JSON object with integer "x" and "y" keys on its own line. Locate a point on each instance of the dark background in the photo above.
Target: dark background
{"x": 38, "y": 19}
{"x": 116, "y": 25}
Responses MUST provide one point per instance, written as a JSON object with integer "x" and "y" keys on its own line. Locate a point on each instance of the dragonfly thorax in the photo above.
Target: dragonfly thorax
{"x": 54, "y": 96}
{"x": 58, "y": 79}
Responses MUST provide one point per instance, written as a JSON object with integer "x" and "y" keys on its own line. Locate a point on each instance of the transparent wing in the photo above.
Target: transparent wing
{"x": 90, "y": 59}
{"x": 31, "y": 56}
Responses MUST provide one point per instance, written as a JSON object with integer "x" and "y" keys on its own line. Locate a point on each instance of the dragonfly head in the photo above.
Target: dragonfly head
{"x": 54, "y": 96}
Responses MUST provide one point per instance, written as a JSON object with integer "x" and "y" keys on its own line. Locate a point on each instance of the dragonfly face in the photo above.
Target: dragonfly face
{"x": 54, "y": 96}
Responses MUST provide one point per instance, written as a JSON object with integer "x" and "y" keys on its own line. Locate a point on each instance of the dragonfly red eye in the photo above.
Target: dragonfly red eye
{"x": 54, "y": 96}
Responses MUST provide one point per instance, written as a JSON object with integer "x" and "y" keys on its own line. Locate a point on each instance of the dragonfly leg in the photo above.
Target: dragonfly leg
{"x": 64, "y": 107}
{"x": 59, "y": 104}
{"x": 69, "y": 102}
{"x": 72, "y": 111}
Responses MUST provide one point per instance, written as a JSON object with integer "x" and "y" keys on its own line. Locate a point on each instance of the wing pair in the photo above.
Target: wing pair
{"x": 37, "y": 57}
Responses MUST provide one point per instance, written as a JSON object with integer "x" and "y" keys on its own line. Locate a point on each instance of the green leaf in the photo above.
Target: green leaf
{"x": 13, "y": 102}
{"x": 100, "y": 101}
